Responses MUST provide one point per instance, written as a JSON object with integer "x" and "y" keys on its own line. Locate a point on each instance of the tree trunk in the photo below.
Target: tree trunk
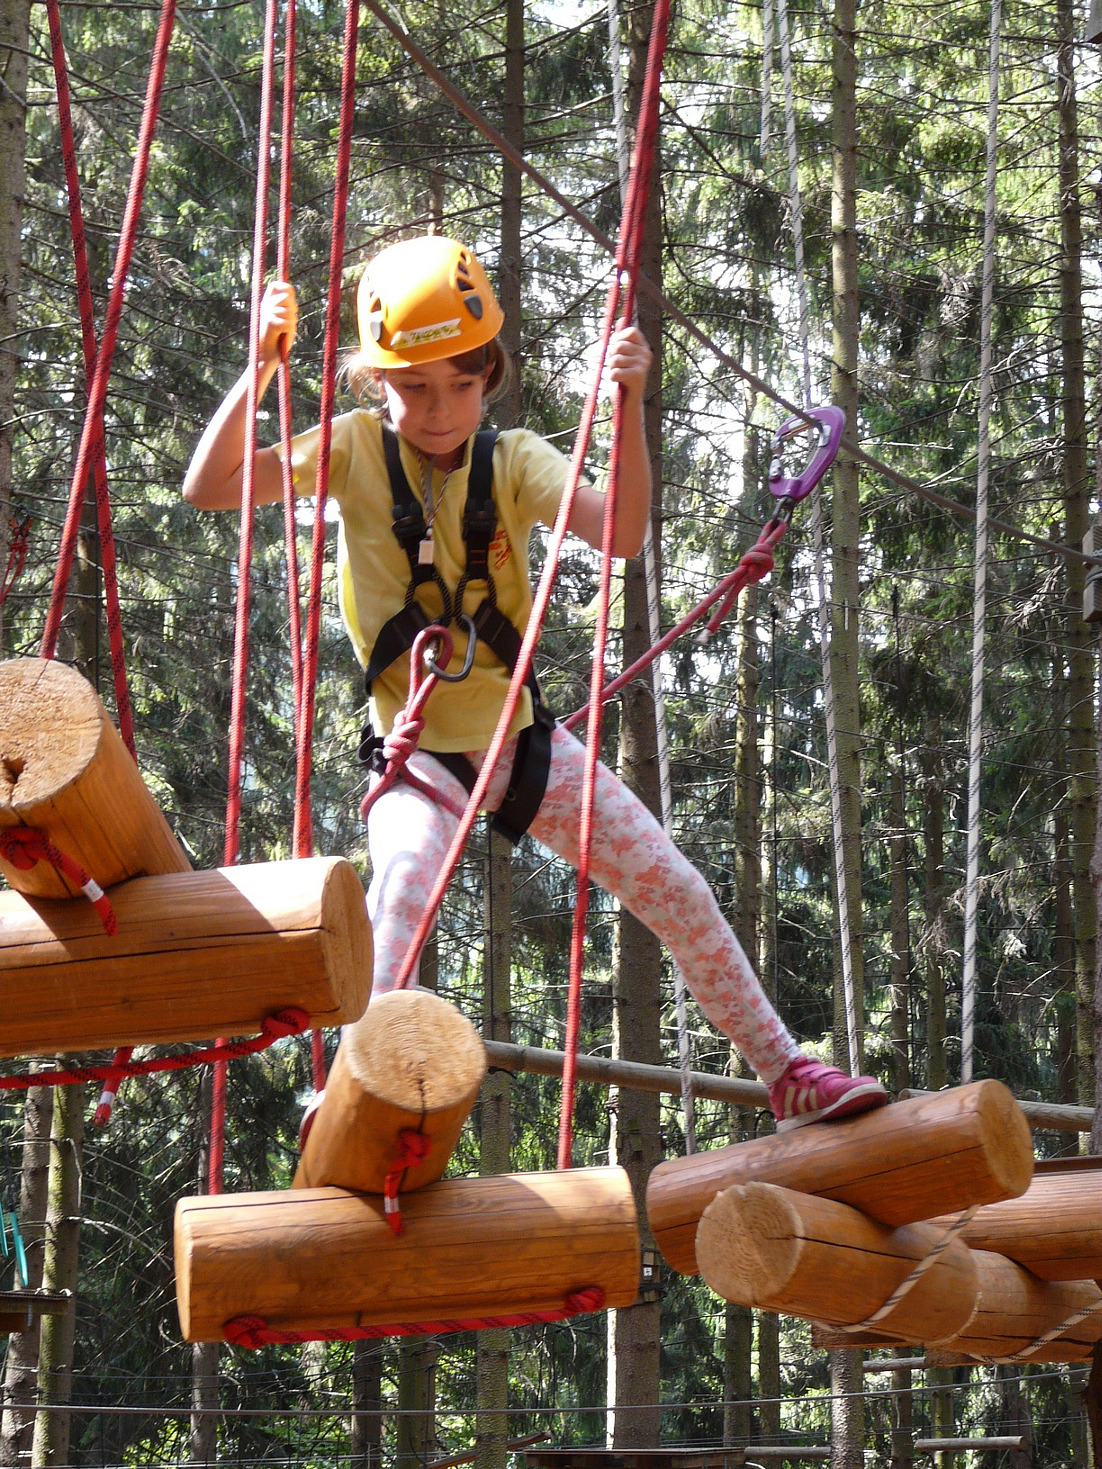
{"x": 509, "y": 272}
{"x": 636, "y": 1143}
{"x": 845, "y": 530}
{"x": 1082, "y": 750}
{"x": 14, "y": 50}
{"x": 902, "y": 1410}
{"x": 416, "y": 1402}
{"x": 21, "y": 1368}
{"x": 60, "y": 1272}
{"x": 495, "y": 1116}
{"x": 847, "y": 1413}
{"x": 901, "y": 935}
{"x": 367, "y": 1403}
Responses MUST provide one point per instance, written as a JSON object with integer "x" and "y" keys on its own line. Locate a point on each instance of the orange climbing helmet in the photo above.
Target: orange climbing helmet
{"x": 424, "y": 299}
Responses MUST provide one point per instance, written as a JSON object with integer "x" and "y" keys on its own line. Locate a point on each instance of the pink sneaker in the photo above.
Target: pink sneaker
{"x": 809, "y": 1091}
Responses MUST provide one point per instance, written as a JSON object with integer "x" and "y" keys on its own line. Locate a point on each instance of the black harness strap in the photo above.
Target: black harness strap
{"x": 532, "y": 760}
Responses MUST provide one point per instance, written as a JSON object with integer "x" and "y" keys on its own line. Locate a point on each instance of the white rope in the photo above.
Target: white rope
{"x": 979, "y": 595}
{"x": 927, "y": 1262}
{"x": 796, "y": 214}
{"x": 766, "y": 76}
{"x": 650, "y": 566}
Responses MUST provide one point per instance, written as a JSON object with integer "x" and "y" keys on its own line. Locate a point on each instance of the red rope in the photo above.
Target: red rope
{"x": 754, "y": 565}
{"x": 254, "y": 1331}
{"x": 289, "y": 1021}
{"x": 17, "y": 556}
{"x": 305, "y": 730}
{"x": 413, "y": 1148}
{"x": 628, "y": 261}
{"x": 102, "y": 1114}
{"x": 23, "y": 847}
{"x": 88, "y": 337}
{"x": 92, "y": 431}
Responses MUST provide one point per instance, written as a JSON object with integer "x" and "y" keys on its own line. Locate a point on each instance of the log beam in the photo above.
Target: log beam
{"x": 776, "y": 1250}
{"x": 412, "y": 1063}
{"x": 325, "y": 1258}
{"x": 1054, "y": 1229}
{"x": 197, "y": 955}
{"x": 970, "y": 1145}
{"x": 65, "y": 771}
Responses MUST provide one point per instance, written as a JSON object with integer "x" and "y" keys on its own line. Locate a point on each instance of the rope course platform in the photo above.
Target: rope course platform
{"x": 20, "y": 1309}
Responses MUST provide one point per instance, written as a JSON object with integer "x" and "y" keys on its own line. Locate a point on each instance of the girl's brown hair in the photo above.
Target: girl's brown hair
{"x": 364, "y": 380}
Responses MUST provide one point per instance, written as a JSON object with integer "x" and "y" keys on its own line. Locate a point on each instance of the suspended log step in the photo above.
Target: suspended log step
{"x": 65, "y": 771}
{"x": 197, "y": 955}
{"x": 901, "y": 1164}
{"x": 1015, "y": 1309}
{"x": 326, "y": 1259}
{"x": 412, "y": 1064}
{"x": 768, "y": 1247}
{"x": 1054, "y": 1229}
{"x": 20, "y": 1309}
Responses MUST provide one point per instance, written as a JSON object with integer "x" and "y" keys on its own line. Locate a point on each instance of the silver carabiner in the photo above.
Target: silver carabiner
{"x": 431, "y": 665}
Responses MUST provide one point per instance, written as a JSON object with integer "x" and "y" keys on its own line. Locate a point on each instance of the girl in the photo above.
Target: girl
{"x": 411, "y": 477}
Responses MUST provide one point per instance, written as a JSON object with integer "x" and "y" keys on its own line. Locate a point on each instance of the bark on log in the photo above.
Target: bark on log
{"x": 897, "y": 1165}
{"x": 1014, "y": 1309}
{"x": 412, "y": 1062}
{"x": 197, "y": 955}
{"x": 65, "y": 771}
{"x": 763, "y": 1246}
{"x": 1054, "y": 1229}
{"x": 472, "y": 1247}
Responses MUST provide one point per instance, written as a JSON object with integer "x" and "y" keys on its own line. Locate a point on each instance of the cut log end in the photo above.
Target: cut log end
{"x": 414, "y": 1051}
{"x": 747, "y": 1243}
{"x": 51, "y": 723}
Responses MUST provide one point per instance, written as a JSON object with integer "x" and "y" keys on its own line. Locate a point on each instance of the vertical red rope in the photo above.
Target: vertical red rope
{"x": 628, "y": 259}
{"x": 88, "y": 338}
{"x": 245, "y": 544}
{"x": 303, "y": 813}
{"x": 92, "y": 431}
{"x": 248, "y": 475}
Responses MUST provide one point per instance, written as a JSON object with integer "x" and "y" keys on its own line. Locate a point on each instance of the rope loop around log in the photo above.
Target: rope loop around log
{"x": 288, "y": 1021}
{"x": 904, "y": 1288}
{"x": 1042, "y": 1341}
{"x": 413, "y": 1148}
{"x": 253, "y": 1331}
{"x": 24, "y": 846}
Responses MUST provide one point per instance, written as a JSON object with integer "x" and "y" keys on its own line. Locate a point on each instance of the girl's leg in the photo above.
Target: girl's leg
{"x": 408, "y": 836}
{"x": 634, "y": 860}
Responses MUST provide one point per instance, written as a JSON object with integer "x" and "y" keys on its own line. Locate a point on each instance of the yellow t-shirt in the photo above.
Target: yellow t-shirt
{"x": 373, "y": 570}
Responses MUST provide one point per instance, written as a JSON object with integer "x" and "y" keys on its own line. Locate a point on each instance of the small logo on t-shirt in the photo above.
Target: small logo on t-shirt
{"x": 500, "y": 548}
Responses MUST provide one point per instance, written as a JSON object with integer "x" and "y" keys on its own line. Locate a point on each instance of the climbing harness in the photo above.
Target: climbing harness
{"x": 532, "y": 761}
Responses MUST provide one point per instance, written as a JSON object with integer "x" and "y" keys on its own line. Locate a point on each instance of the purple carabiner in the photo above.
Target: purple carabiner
{"x": 832, "y": 424}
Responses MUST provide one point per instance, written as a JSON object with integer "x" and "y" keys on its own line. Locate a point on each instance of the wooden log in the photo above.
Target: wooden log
{"x": 197, "y": 955}
{"x": 759, "y": 1245}
{"x": 830, "y": 1339}
{"x": 65, "y": 771}
{"x": 325, "y": 1258}
{"x": 897, "y": 1164}
{"x": 1041, "y": 1116}
{"x": 1054, "y": 1229}
{"x": 1014, "y": 1309}
{"x": 411, "y": 1062}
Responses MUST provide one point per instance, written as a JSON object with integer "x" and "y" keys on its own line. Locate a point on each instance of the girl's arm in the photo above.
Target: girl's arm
{"x": 213, "y": 478}
{"x": 629, "y": 359}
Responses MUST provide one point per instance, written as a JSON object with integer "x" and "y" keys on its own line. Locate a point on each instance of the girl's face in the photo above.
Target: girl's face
{"x": 436, "y": 406}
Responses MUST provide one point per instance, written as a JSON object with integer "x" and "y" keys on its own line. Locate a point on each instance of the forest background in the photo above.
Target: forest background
{"x": 891, "y": 117}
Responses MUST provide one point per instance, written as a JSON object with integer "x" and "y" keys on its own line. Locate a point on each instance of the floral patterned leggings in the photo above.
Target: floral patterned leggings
{"x": 409, "y": 835}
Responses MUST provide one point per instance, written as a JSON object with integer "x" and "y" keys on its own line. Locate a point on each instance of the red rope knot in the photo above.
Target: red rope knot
{"x": 102, "y": 1115}
{"x": 413, "y": 1148}
{"x": 581, "y": 1302}
{"x": 291, "y": 1020}
{"x": 246, "y": 1331}
{"x": 23, "y": 846}
{"x": 403, "y": 739}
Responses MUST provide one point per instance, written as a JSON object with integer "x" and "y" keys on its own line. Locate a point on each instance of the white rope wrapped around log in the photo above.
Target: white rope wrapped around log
{"x": 904, "y": 1288}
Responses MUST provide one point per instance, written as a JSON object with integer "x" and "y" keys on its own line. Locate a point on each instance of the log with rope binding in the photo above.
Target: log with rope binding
{"x": 325, "y": 1260}
{"x": 197, "y": 955}
{"x": 402, "y": 1083}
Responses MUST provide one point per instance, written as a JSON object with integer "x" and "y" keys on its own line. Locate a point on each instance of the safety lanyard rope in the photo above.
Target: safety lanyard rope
{"x": 979, "y": 591}
{"x": 91, "y": 449}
